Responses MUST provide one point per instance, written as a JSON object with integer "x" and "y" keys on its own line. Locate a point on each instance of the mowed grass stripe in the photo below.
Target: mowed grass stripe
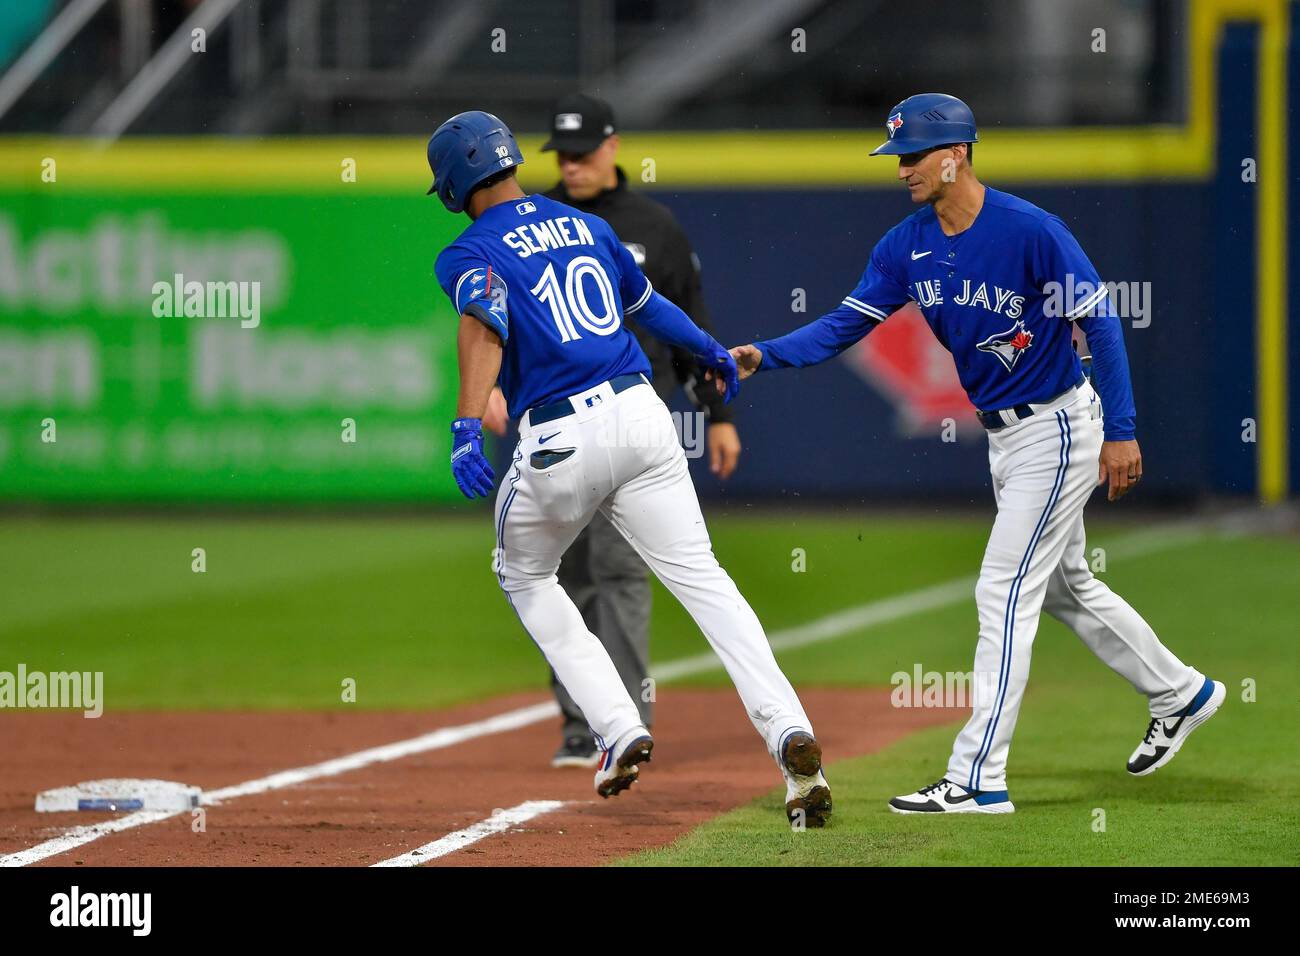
{"x": 289, "y": 608}
{"x": 407, "y": 608}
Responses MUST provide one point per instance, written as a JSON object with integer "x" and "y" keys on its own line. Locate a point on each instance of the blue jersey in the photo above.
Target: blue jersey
{"x": 1000, "y": 296}
{"x": 555, "y": 284}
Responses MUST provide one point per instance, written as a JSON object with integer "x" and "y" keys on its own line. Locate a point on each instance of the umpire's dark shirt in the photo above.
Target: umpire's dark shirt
{"x": 662, "y": 251}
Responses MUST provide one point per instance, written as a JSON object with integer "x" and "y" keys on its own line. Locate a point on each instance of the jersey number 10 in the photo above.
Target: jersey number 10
{"x": 569, "y": 302}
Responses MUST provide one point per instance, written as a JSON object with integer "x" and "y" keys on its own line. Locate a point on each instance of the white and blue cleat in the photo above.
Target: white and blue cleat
{"x": 1163, "y": 739}
{"x": 618, "y": 767}
{"x": 1166, "y": 735}
{"x": 948, "y": 797}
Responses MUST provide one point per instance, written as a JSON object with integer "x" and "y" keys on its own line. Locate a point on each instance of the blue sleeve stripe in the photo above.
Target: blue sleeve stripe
{"x": 645, "y": 297}
{"x": 1087, "y": 305}
{"x": 867, "y": 310}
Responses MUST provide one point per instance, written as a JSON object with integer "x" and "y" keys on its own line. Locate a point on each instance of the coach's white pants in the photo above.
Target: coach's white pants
{"x": 627, "y": 462}
{"x": 1044, "y": 469}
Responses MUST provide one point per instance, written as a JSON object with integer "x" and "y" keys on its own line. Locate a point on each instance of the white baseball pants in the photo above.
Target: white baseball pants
{"x": 1044, "y": 469}
{"x": 627, "y": 462}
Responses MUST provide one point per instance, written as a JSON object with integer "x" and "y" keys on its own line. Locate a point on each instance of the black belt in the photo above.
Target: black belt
{"x": 549, "y": 413}
{"x": 993, "y": 420}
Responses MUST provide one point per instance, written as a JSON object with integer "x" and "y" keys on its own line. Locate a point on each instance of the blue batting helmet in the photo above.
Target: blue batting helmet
{"x": 466, "y": 150}
{"x": 926, "y": 120}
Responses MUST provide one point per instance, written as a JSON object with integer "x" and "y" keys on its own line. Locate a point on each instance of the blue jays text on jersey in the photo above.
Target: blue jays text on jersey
{"x": 987, "y": 295}
{"x": 555, "y": 284}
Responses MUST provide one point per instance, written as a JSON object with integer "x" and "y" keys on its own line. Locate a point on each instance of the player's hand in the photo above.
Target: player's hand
{"x": 724, "y": 449}
{"x": 496, "y": 417}
{"x": 748, "y": 359}
{"x": 720, "y": 368}
{"x": 469, "y": 467}
{"x": 1120, "y": 463}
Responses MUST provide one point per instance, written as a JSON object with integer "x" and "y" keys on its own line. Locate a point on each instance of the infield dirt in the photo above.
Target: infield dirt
{"x": 707, "y": 760}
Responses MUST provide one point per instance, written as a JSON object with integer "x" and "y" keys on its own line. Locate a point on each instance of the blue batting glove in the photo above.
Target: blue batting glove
{"x": 720, "y": 363}
{"x": 469, "y": 467}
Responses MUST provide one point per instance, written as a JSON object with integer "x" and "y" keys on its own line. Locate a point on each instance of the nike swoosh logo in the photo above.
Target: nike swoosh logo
{"x": 1170, "y": 731}
{"x": 543, "y": 441}
{"x": 922, "y": 255}
{"x": 947, "y": 797}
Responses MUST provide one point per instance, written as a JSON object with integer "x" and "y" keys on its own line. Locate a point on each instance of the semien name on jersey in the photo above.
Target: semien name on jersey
{"x": 547, "y": 235}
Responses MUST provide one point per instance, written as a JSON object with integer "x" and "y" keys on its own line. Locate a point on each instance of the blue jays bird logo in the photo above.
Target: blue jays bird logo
{"x": 893, "y": 124}
{"x": 1008, "y": 345}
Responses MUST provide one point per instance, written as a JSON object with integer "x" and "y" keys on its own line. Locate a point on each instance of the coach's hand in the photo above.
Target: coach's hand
{"x": 720, "y": 367}
{"x": 1120, "y": 464}
{"x": 470, "y": 468}
{"x": 748, "y": 359}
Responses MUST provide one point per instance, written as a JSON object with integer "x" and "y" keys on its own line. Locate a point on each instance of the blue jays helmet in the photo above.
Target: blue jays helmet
{"x": 466, "y": 150}
{"x": 926, "y": 120}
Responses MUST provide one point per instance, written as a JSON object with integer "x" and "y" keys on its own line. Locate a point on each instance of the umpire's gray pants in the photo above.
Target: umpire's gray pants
{"x": 605, "y": 577}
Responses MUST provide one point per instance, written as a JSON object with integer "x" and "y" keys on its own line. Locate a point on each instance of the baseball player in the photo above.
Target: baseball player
{"x": 985, "y": 269}
{"x": 542, "y": 291}
{"x": 601, "y": 571}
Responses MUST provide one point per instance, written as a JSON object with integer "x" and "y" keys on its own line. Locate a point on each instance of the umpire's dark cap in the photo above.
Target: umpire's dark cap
{"x": 579, "y": 124}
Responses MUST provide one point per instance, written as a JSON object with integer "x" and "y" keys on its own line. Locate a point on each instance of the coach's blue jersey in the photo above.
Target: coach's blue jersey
{"x": 555, "y": 284}
{"x": 1000, "y": 296}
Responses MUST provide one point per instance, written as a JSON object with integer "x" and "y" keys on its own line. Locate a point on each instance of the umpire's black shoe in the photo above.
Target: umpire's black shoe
{"x": 576, "y": 751}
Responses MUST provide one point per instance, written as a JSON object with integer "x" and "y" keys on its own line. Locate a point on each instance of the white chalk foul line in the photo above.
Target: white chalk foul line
{"x": 823, "y": 629}
{"x": 499, "y": 822}
{"x": 434, "y": 740}
{"x": 78, "y": 836}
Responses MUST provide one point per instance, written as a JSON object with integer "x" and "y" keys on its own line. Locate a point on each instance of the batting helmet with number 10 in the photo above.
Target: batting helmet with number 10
{"x": 466, "y": 150}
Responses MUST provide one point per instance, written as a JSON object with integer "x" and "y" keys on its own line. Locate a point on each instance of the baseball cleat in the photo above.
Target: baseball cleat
{"x": 618, "y": 766}
{"x": 576, "y": 751}
{"x": 1165, "y": 735}
{"x": 948, "y": 797}
{"x": 807, "y": 794}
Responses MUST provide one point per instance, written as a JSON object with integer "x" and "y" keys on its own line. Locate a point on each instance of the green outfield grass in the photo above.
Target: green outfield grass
{"x": 1229, "y": 606}
{"x": 408, "y": 607}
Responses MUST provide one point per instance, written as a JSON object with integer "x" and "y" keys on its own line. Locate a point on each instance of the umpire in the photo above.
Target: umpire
{"x": 601, "y": 572}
